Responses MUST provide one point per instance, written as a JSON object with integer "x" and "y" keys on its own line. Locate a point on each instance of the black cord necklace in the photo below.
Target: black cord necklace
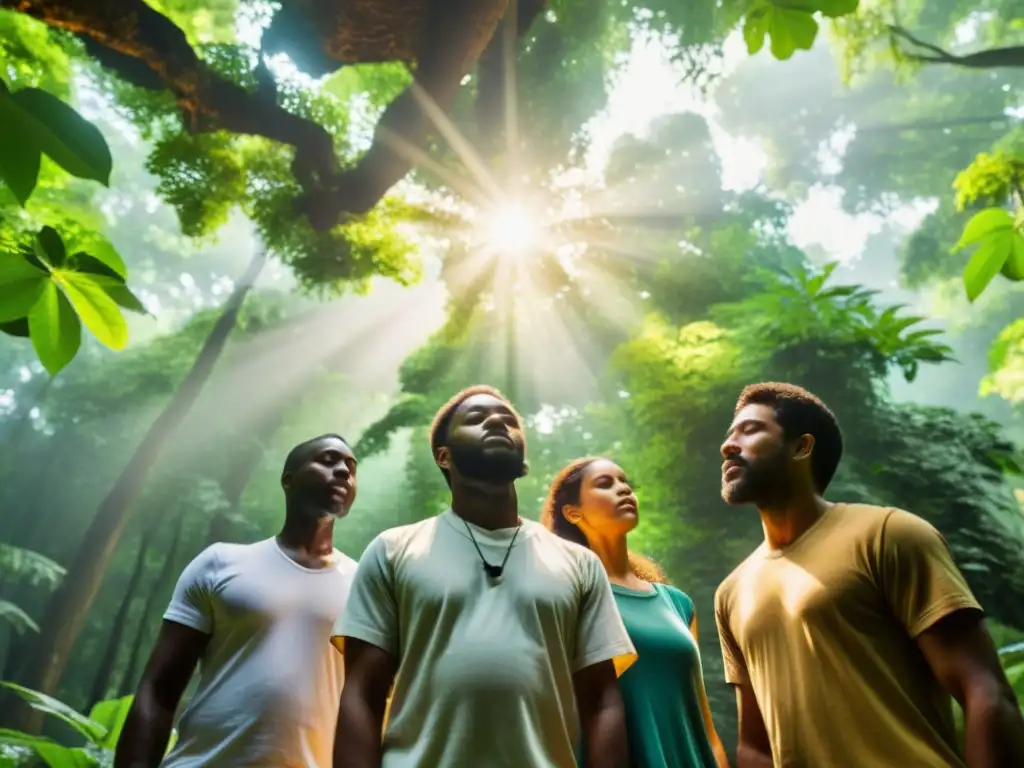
{"x": 494, "y": 571}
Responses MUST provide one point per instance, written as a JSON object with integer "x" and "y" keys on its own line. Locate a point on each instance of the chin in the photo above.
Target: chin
{"x": 736, "y": 495}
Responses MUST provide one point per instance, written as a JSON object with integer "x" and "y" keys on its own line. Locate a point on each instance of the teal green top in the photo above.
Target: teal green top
{"x": 664, "y": 721}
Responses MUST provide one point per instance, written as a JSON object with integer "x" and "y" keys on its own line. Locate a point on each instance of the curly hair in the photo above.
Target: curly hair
{"x": 801, "y": 413}
{"x": 565, "y": 489}
{"x": 442, "y": 422}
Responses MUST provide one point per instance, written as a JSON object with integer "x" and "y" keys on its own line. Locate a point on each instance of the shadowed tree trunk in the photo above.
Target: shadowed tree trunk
{"x": 71, "y": 602}
{"x": 106, "y": 667}
{"x": 129, "y": 680}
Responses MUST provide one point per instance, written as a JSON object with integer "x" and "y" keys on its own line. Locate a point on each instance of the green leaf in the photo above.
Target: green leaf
{"x": 55, "y": 329}
{"x": 51, "y": 706}
{"x": 791, "y": 30}
{"x": 17, "y": 328}
{"x": 52, "y": 753}
{"x": 16, "y": 617}
{"x": 111, "y": 715}
{"x": 67, "y": 138}
{"x": 983, "y": 223}
{"x": 83, "y": 262}
{"x": 21, "y": 285}
{"x": 1013, "y": 268}
{"x": 98, "y": 311}
{"x": 105, "y": 252}
{"x": 833, "y": 9}
{"x": 52, "y": 246}
{"x": 120, "y": 293}
{"x": 755, "y": 26}
{"x": 985, "y": 263}
{"x": 19, "y": 155}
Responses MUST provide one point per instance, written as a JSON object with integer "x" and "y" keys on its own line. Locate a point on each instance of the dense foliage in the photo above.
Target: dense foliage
{"x": 272, "y": 303}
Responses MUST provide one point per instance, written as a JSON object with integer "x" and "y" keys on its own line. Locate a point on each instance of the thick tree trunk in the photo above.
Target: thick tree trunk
{"x": 71, "y": 602}
{"x": 129, "y": 680}
{"x": 104, "y": 672}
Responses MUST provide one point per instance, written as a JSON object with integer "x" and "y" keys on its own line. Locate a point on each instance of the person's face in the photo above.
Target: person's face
{"x": 485, "y": 442}
{"x": 326, "y": 480}
{"x": 756, "y": 467}
{"x": 607, "y": 505}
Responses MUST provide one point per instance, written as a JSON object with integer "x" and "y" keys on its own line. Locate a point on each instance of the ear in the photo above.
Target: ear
{"x": 571, "y": 512}
{"x": 443, "y": 458}
{"x": 804, "y": 447}
{"x": 286, "y": 480}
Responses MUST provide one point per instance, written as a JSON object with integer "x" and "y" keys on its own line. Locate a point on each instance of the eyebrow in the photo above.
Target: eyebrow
{"x": 500, "y": 408}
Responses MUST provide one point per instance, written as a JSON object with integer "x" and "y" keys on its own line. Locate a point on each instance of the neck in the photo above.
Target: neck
{"x": 487, "y": 506}
{"x": 309, "y": 533}
{"x": 614, "y": 556}
{"x": 787, "y": 521}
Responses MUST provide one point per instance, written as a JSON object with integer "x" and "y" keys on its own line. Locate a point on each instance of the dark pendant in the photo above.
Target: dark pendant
{"x": 494, "y": 571}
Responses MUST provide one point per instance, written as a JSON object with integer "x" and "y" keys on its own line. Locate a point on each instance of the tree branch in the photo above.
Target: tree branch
{"x": 136, "y": 38}
{"x": 991, "y": 58}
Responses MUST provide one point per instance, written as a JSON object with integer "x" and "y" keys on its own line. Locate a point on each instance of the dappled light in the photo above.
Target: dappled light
{"x": 227, "y": 227}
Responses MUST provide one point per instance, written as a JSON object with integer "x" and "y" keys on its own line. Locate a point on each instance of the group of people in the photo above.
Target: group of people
{"x": 478, "y": 638}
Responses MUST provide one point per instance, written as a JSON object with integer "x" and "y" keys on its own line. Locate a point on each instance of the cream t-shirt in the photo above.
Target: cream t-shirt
{"x": 485, "y": 665}
{"x": 269, "y": 682}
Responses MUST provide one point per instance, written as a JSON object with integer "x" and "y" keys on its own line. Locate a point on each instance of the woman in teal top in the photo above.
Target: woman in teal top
{"x": 668, "y": 719}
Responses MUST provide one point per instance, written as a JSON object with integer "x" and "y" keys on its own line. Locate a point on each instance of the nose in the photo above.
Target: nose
{"x": 342, "y": 471}
{"x": 729, "y": 448}
{"x": 493, "y": 421}
{"x": 625, "y": 490}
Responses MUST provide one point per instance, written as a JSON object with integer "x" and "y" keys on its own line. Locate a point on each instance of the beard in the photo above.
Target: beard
{"x": 760, "y": 482}
{"x": 494, "y": 467}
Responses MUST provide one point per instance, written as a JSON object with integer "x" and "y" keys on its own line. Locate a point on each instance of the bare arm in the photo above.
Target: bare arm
{"x": 964, "y": 659}
{"x": 147, "y": 728}
{"x": 602, "y": 715}
{"x": 705, "y": 707}
{"x": 369, "y": 671}
{"x": 754, "y": 749}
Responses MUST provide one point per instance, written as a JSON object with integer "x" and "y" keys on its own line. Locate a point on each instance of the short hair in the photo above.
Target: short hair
{"x": 442, "y": 422}
{"x": 566, "y": 489}
{"x": 297, "y": 455}
{"x": 801, "y": 413}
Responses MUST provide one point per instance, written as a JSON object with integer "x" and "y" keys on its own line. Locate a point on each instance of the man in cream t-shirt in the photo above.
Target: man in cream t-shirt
{"x": 502, "y": 641}
{"x": 257, "y": 619}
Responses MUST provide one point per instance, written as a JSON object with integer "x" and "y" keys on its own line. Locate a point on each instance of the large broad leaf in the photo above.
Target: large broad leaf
{"x": 19, "y": 160}
{"x": 21, "y": 285}
{"x": 55, "y": 329}
{"x": 111, "y": 715}
{"x": 52, "y": 247}
{"x": 792, "y": 27}
{"x": 984, "y": 223}
{"x": 52, "y": 753}
{"x": 98, "y": 311}
{"x": 833, "y": 9}
{"x": 988, "y": 260}
{"x": 67, "y": 138}
{"x": 119, "y": 292}
{"x": 94, "y": 732}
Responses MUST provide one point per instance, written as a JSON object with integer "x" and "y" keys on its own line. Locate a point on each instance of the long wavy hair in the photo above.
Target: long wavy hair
{"x": 566, "y": 489}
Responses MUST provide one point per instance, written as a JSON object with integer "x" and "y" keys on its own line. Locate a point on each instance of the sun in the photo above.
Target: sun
{"x": 512, "y": 228}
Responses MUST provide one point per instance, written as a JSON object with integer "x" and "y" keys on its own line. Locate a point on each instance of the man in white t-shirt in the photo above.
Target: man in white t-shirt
{"x": 501, "y": 640}
{"x": 257, "y": 619}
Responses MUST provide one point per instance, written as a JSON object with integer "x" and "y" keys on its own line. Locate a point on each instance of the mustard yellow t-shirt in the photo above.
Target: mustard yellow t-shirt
{"x": 824, "y": 630}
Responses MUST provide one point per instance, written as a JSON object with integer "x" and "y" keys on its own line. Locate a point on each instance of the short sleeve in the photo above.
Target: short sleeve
{"x": 600, "y": 634}
{"x": 192, "y": 601}
{"x": 681, "y": 601}
{"x": 732, "y": 656}
{"x": 919, "y": 579}
{"x": 371, "y": 614}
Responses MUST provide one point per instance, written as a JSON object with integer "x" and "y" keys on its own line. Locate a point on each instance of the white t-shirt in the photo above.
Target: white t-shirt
{"x": 485, "y": 666}
{"x": 269, "y": 680}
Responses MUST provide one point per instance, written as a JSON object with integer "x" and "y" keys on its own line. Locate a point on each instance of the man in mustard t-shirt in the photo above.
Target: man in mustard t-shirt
{"x": 849, "y": 629}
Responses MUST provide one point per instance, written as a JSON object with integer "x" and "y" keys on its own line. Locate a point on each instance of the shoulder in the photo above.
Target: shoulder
{"x": 573, "y": 553}
{"x": 392, "y": 543}
{"x": 889, "y": 525}
{"x": 682, "y": 601}
{"x": 344, "y": 564}
{"x": 731, "y": 583}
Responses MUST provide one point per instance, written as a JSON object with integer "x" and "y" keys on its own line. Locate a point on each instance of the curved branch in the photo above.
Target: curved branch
{"x": 992, "y": 58}
{"x": 149, "y": 50}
